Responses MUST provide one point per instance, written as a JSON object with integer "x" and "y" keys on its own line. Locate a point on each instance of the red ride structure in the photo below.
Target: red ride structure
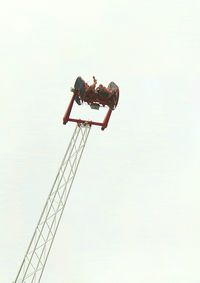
{"x": 94, "y": 96}
{"x": 35, "y": 259}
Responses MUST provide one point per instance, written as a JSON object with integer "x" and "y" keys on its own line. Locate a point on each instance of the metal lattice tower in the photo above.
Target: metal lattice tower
{"x": 35, "y": 259}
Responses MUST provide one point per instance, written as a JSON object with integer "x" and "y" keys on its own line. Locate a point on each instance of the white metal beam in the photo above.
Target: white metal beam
{"x": 35, "y": 259}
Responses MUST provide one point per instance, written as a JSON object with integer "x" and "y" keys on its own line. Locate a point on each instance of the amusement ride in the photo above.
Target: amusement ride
{"x": 37, "y": 253}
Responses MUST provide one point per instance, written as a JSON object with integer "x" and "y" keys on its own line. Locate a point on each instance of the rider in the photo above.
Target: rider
{"x": 92, "y": 88}
{"x": 102, "y": 90}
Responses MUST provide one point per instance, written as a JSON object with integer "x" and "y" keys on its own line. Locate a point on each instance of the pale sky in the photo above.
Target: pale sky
{"x": 133, "y": 213}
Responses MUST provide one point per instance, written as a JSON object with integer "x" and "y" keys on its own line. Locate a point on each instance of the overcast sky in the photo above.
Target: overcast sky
{"x": 133, "y": 213}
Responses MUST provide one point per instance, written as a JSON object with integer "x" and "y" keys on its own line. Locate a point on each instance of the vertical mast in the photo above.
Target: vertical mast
{"x": 35, "y": 259}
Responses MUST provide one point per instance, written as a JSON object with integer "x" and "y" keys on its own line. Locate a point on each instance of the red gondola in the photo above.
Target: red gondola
{"x": 96, "y": 97}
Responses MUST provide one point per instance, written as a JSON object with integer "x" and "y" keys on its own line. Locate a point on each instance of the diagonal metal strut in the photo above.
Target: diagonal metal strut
{"x": 35, "y": 259}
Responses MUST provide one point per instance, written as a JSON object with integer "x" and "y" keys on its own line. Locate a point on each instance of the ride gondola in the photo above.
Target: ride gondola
{"x": 96, "y": 96}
